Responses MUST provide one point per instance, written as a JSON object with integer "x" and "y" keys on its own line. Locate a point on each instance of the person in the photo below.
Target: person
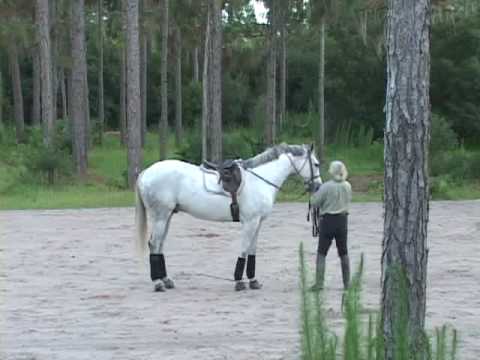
{"x": 333, "y": 200}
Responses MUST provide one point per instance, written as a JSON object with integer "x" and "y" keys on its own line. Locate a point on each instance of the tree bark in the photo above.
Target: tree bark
{"x": 283, "y": 73}
{"x": 123, "y": 97}
{"x": 196, "y": 67}
{"x": 178, "y": 86}
{"x": 17, "y": 91}
{"x": 143, "y": 81}
{"x": 43, "y": 28}
{"x": 407, "y": 134}
{"x": 320, "y": 138}
{"x": 271, "y": 97}
{"x": 134, "y": 106}
{"x": 101, "y": 102}
{"x": 205, "y": 97}
{"x": 1, "y": 100}
{"x": 164, "y": 84}
{"x": 36, "y": 108}
{"x": 79, "y": 126}
{"x": 212, "y": 83}
{"x": 86, "y": 99}
{"x": 63, "y": 92}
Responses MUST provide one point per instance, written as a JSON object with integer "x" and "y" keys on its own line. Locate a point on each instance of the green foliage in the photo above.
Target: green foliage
{"x": 192, "y": 105}
{"x": 443, "y": 138}
{"x": 318, "y": 342}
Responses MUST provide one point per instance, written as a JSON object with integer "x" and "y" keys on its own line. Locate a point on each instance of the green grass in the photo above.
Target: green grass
{"x": 106, "y": 185}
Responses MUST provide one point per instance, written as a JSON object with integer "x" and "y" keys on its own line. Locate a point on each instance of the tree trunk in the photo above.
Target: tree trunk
{"x": 79, "y": 126}
{"x": 283, "y": 74}
{"x": 1, "y": 101}
{"x": 101, "y": 105}
{"x": 143, "y": 81}
{"x": 196, "y": 70}
{"x": 63, "y": 91}
{"x": 123, "y": 97}
{"x": 320, "y": 138}
{"x": 54, "y": 56}
{"x": 164, "y": 84}
{"x": 407, "y": 133}
{"x": 43, "y": 28}
{"x": 86, "y": 99}
{"x": 212, "y": 83}
{"x": 205, "y": 97}
{"x": 36, "y": 109}
{"x": 178, "y": 86}
{"x": 134, "y": 106}
{"x": 271, "y": 97}
{"x": 17, "y": 91}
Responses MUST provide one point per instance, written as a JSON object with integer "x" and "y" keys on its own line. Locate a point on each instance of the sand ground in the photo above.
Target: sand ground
{"x": 71, "y": 287}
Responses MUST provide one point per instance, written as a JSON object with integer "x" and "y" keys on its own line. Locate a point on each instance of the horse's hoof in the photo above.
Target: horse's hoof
{"x": 158, "y": 285}
{"x": 169, "y": 284}
{"x": 255, "y": 285}
{"x": 240, "y": 285}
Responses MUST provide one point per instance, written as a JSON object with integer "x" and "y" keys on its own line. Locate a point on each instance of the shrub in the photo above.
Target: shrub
{"x": 443, "y": 138}
{"x": 319, "y": 342}
{"x": 49, "y": 162}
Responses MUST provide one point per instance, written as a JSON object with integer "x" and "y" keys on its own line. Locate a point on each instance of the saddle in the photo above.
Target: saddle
{"x": 230, "y": 179}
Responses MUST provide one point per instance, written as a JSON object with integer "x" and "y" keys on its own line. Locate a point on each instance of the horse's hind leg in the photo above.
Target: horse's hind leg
{"x": 158, "y": 269}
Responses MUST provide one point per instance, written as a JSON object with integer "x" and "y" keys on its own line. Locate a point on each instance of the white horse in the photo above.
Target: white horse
{"x": 170, "y": 186}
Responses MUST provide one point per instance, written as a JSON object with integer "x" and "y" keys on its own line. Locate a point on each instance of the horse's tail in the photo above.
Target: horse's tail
{"x": 140, "y": 222}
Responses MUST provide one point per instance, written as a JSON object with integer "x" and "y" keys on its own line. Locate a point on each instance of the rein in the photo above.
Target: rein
{"x": 262, "y": 178}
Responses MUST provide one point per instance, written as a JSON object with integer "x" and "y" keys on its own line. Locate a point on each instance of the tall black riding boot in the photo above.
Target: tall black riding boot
{"x": 320, "y": 273}
{"x": 345, "y": 262}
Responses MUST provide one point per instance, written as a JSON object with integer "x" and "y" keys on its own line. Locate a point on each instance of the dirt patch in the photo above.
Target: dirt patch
{"x": 71, "y": 287}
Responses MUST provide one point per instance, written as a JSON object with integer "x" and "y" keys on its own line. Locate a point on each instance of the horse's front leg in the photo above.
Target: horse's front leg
{"x": 250, "y": 232}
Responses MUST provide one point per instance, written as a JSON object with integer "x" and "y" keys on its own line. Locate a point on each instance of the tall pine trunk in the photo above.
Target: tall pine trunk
{"x": 123, "y": 97}
{"x": 79, "y": 120}
{"x": 164, "y": 83}
{"x": 283, "y": 73}
{"x": 205, "y": 97}
{"x": 320, "y": 136}
{"x": 134, "y": 106}
{"x": 1, "y": 101}
{"x": 196, "y": 66}
{"x": 101, "y": 102}
{"x": 36, "y": 107}
{"x": 43, "y": 28}
{"x": 143, "y": 81}
{"x": 271, "y": 96}
{"x": 63, "y": 92}
{"x": 178, "y": 86}
{"x": 17, "y": 91}
{"x": 212, "y": 84}
{"x": 407, "y": 135}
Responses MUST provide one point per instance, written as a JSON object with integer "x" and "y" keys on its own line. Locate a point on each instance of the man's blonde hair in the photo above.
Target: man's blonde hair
{"x": 338, "y": 170}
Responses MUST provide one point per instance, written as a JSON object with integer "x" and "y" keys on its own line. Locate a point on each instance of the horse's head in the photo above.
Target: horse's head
{"x": 308, "y": 167}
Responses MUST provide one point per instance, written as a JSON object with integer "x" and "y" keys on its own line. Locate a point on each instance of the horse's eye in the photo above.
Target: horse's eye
{"x": 317, "y": 165}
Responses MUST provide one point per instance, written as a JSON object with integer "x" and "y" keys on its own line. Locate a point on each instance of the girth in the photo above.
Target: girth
{"x": 230, "y": 176}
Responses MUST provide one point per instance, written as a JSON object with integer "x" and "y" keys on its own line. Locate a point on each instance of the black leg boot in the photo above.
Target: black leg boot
{"x": 158, "y": 271}
{"x": 238, "y": 274}
{"x": 320, "y": 273}
{"x": 254, "y": 283}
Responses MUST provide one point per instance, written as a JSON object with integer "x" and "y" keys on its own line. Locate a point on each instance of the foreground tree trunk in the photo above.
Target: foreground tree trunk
{"x": 407, "y": 133}
{"x": 36, "y": 109}
{"x": 212, "y": 84}
{"x": 17, "y": 91}
{"x": 123, "y": 97}
{"x": 79, "y": 125}
{"x": 47, "y": 93}
{"x": 320, "y": 136}
{"x": 164, "y": 84}
{"x": 178, "y": 86}
{"x": 101, "y": 105}
{"x": 134, "y": 106}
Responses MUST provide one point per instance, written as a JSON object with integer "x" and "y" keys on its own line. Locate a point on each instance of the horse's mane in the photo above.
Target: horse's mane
{"x": 273, "y": 153}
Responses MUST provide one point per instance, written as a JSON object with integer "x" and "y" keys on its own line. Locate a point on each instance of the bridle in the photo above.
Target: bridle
{"x": 308, "y": 183}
